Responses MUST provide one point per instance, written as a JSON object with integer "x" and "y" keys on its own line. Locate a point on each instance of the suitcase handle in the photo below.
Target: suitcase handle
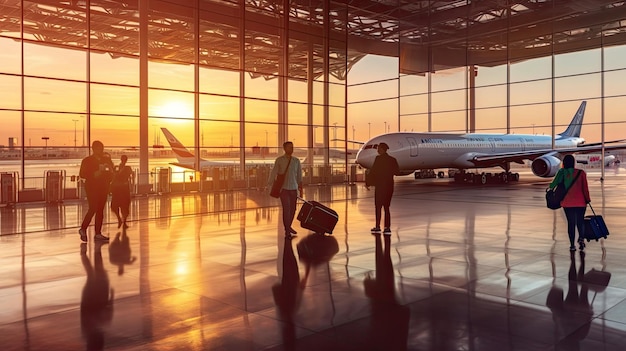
{"x": 594, "y": 212}
{"x": 303, "y": 200}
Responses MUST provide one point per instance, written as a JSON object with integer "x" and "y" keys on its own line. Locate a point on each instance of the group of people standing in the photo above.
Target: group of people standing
{"x": 101, "y": 178}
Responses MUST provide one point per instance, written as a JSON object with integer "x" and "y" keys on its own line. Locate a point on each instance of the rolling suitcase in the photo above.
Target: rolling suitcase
{"x": 595, "y": 228}
{"x": 317, "y": 217}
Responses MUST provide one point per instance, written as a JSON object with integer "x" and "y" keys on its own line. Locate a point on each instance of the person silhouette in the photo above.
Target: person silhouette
{"x": 96, "y": 304}
{"x": 120, "y": 192}
{"x": 390, "y": 319}
{"x": 97, "y": 171}
{"x": 119, "y": 251}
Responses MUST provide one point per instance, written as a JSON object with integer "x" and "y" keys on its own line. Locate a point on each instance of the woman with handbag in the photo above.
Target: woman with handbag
{"x": 575, "y": 201}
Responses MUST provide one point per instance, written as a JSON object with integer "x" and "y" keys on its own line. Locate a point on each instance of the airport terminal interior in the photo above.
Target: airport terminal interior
{"x": 465, "y": 268}
{"x": 200, "y": 95}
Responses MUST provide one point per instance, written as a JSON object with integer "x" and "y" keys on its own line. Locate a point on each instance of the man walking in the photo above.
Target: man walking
{"x": 289, "y": 166}
{"x": 97, "y": 170}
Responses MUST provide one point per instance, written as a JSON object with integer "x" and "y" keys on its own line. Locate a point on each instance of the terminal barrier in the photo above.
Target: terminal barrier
{"x": 163, "y": 180}
{"x": 8, "y": 188}
{"x": 55, "y": 186}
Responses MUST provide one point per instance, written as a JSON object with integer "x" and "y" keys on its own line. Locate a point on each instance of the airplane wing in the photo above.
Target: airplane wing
{"x": 490, "y": 160}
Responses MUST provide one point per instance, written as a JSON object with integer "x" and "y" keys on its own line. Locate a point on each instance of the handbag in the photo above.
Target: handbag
{"x": 278, "y": 182}
{"x": 557, "y": 194}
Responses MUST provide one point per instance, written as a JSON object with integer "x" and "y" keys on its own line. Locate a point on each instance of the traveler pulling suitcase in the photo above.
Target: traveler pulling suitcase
{"x": 317, "y": 217}
{"x": 595, "y": 228}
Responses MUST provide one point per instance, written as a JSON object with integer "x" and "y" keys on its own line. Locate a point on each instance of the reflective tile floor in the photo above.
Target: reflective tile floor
{"x": 466, "y": 268}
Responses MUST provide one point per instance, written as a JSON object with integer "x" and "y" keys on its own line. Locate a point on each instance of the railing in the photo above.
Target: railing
{"x": 163, "y": 180}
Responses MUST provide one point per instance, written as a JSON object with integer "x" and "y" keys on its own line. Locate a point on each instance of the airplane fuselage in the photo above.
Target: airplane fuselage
{"x": 433, "y": 150}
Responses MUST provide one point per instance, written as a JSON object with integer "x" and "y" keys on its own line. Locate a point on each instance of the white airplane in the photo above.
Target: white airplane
{"x": 185, "y": 158}
{"x": 422, "y": 151}
{"x": 595, "y": 159}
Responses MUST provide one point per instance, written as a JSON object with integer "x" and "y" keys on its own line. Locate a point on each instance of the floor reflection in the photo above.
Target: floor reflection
{"x": 466, "y": 268}
{"x": 390, "y": 319}
{"x": 96, "y": 304}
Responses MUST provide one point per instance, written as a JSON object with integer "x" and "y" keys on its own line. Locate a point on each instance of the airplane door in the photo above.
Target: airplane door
{"x": 413, "y": 146}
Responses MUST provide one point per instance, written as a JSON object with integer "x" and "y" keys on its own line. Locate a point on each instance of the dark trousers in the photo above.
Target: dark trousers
{"x": 382, "y": 199}
{"x": 97, "y": 199}
{"x": 575, "y": 219}
{"x": 288, "y": 199}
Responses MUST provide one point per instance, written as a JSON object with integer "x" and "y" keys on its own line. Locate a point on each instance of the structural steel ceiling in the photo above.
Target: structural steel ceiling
{"x": 424, "y": 35}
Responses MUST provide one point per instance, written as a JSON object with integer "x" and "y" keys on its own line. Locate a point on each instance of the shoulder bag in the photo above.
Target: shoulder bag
{"x": 278, "y": 182}
{"x": 556, "y": 195}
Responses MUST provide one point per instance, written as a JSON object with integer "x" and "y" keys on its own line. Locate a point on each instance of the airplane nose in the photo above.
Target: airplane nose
{"x": 366, "y": 158}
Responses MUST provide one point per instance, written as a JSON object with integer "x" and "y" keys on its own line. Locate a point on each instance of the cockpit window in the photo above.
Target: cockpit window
{"x": 370, "y": 146}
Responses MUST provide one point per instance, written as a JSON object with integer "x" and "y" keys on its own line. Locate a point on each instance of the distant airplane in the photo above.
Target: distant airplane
{"x": 186, "y": 159}
{"x": 595, "y": 159}
{"x": 423, "y": 151}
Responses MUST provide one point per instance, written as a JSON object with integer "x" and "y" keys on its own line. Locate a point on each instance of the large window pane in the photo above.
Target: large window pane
{"x": 533, "y": 69}
{"x": 531, "y": 119}
{"x": 170, "y": 76}
{"x": 58, "y": 128}
{"x": 569, "y": 88}
{"x": 614, "y": 57}
{"x": 491, "y": 120}
{"x": 531, "y": 92}
{"x": 449, "y": 121}
{"x": 174, "y": 104}
{"x": 614, "y": 118}
{"x": 54, "y": 95}
{"x": 216, "y": 134}
{"x": 219, "y": 81}
{"x": 450, "y": 79}
{"x": 413, "y": 104}
{"x": 298, "y": 114}
{"x": 362, "y": 72}
{"x": 215, "y": 107}
{"x": 614, "y": 83}
{"x": 337, "y": 93}
{"x": 449, "y": 101}
{"x": 377, "y": 117}
{"x": 373, "y": 91}
{"x": 413, "y": 84}
{"x": 115, "y": 131}
{"x": 261, "y": 111}
{"x": 491, "y": 96}
{"x": 414, "y": 123}
{"x": 114, "y": 69}
{"x": 116, "y": 100}
{"x": 10, "y": 92}
{"x": 577, "y": 62}
{"x": 11, "y": 129}
{"x": 49, "y": 61}
{"x": 10, "y": 56}
{"x": 261, "y": 88}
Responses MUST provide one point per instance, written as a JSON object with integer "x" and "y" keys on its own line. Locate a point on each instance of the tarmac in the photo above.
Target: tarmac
{"x": 466, "y": 267}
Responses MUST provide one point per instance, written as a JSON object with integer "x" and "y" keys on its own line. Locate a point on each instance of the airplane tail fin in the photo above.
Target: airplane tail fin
{"x": 182, "y": 154}
{"x": 573, "y": 129}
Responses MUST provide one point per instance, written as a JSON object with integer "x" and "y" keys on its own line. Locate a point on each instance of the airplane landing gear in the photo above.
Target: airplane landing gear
{"x": 486, "y": 178}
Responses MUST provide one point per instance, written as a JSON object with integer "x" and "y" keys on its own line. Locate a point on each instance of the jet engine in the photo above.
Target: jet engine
{"x": 546, "y": 166}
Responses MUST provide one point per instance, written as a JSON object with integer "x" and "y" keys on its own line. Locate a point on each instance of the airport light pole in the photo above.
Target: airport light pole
{"x": 369, "y": 130}
{"x": 74, "y": 120}
{"x": 46, "y": 140}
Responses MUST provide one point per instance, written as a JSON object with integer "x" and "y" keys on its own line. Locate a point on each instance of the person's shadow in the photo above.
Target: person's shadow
{"x": 96, "y": 305}
{"x": 119, "y": 251}
{"x": 390, "y": 320}
{"x": 573, "y": 314}
{"x": 288, "y": 294}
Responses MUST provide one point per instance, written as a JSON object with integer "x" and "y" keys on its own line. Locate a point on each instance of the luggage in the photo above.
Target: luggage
{"x": 595, "y": 228}
{"x": 317, "y": 217}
